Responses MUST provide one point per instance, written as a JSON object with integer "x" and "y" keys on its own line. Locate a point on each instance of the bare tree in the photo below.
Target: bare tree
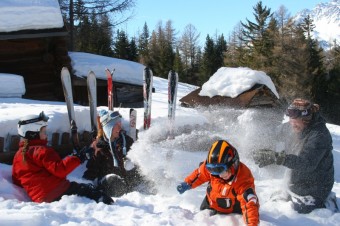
{"x": 188, "y": 45}
{"x": 73, "y": 10}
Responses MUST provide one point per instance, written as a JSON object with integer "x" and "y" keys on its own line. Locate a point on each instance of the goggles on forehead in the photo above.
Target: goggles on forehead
{"x": 296, "y": 113}
{"x": 112, "y": 116}
{"x": 41, "y": 117}
{"x": 216, "y": 169}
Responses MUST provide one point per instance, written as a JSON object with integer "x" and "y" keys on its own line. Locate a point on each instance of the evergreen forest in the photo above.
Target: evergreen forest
{"x": 272, "y": 42}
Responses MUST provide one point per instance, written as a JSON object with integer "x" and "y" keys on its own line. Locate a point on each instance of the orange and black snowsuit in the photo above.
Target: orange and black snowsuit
{"x": 236, "y": 196}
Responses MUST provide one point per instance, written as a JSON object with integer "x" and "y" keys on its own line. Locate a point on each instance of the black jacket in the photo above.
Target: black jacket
{"x": 102, "y": 163}
{"x": 310, "y": 158}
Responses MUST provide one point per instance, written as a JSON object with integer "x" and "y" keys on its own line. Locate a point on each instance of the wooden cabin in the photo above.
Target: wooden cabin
{"x": 258, "y": 95}
{"x": 38, "y": 56}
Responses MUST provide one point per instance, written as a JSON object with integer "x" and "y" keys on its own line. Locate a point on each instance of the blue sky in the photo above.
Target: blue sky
{"x": 208, "y": 17}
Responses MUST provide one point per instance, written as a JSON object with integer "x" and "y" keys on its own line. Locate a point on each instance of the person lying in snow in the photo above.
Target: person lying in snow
{"x": 109, "y": 168}
{"x": 231, "y": 186}
{"x": 308, "y": 156}
{"x": 40, "y": 170}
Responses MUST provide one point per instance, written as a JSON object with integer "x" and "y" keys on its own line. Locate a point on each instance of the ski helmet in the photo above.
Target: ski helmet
{"x": 30, "y": 125}
{"x": 222, "y": 156}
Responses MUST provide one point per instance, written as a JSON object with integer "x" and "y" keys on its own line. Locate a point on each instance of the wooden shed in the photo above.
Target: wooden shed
{"x": 258, "y": 95}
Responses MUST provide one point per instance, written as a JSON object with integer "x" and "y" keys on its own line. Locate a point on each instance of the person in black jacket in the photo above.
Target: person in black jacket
{"x": 109, "y": 168}
{"x": 308, "y": 156}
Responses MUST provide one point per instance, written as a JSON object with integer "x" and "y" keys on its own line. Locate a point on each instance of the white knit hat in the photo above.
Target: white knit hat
{"x": 108, "y": 120}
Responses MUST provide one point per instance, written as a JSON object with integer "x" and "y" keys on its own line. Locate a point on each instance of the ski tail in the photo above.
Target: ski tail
{"x": 67, "y": 88}
{"x": 172, "y": 97}
{"x": 109, "y": 76}
{"x": 147, "y": 96}
{"x": 133, "y": 118}
{"x": 92, "y": 96}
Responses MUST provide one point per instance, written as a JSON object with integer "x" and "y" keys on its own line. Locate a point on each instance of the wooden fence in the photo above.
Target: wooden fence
{"x": 60, "y": 142}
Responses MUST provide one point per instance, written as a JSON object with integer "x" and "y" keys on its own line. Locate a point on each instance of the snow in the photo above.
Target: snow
{"x": 231, "y": 82}
{"x": 126, "y": 73}
{"x": 11, "y": 85}
{"x": 17, "y": 15}
{"x": 165, "y": 162}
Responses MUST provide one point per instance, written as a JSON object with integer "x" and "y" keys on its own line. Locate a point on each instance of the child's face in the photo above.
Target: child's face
{"x": 225, "y": 175}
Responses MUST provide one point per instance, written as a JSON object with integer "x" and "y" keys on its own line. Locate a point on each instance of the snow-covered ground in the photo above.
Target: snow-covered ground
{"x": 166, "y": 163}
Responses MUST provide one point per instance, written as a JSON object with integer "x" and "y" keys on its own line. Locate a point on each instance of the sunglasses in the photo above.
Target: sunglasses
{"x": 216, "y": 169}
{"x": 41, "y": 117}
{"x": 296, "y": 113}
{"x": 111, "y": 116}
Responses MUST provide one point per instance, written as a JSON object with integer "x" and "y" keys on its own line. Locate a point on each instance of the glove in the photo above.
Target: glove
{"x": 265, "y": 157}
{"x": 182, "y": 187}
{"x": 84, "y": 154}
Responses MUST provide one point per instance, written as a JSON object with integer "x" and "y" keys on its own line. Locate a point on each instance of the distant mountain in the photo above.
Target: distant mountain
{"x": 326, "y": 17}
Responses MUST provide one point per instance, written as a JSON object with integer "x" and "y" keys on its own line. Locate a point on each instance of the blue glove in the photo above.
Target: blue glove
{"x": 84, "y": 154}
{"x": 182, "y": 187}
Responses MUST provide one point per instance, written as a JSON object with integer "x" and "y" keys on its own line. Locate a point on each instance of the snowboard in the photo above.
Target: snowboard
{"x": 147, "y": 96}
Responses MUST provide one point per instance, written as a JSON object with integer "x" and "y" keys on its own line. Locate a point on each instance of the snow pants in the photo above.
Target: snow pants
{"x": 89, "y": 191}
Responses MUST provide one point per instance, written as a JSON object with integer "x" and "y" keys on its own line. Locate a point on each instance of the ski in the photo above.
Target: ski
{"x": 92, "y": 95}
{"x": 147, "y": 96}
{"x": 110, "y": 89}
{"x": 133, "y": 118}
{"x": 172, "y": 96}
{"x": 67, "y": 88}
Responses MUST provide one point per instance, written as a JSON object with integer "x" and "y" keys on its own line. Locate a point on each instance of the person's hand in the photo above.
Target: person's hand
{"x": 265, "y": 157}
{"x": 182, "y": 187}
{"x": 84, "y": 154}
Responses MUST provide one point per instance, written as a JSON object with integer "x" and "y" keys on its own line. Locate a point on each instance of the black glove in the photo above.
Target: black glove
{"x": 84, "y": 154}
{"x": 182, "y": 187}
{"x": 265, "y": 157}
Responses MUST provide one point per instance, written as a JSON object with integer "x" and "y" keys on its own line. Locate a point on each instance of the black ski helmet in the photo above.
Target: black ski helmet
{"x": 222, "y": 152}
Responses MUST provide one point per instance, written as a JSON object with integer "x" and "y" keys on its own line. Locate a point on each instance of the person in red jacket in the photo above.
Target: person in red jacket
{"x": 40, "y": 170}
{"x": 231, "y": 186}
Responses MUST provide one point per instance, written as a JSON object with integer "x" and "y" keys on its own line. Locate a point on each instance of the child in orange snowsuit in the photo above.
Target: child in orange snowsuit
{"x": 231, "y": 186}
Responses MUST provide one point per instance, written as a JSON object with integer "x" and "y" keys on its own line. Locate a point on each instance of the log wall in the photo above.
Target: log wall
{"x": 39, "y": 61}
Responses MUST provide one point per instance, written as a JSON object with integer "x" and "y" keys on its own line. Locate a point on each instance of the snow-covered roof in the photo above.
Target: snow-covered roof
{"x": 17, "y": 15}
{"x": 231, "y": 82}
{"x": 124, "y": 71}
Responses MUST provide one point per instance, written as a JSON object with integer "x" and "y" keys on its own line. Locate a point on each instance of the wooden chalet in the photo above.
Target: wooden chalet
{"x": 38, "y": 56}
{"x": 258, "y": 95}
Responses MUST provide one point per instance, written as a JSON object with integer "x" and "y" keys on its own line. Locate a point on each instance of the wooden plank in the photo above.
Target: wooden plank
{"x": 65, "y": 138}
{"x": 55, "y": 139}
{"x": 14, "y": 145}
{"x": 2, "y": 143}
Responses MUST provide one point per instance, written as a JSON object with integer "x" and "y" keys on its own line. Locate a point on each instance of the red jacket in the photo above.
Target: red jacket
{"x": 229, "y": 197}
{"x": 42, "y": 173}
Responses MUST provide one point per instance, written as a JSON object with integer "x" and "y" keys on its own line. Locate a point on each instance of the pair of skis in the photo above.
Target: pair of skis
{"x": 112, "y": 100}
{"x": 172, "y": 95}
{"x": 92, "y": 95}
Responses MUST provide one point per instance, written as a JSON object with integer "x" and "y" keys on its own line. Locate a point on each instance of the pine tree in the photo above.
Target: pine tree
{"x": 208, "y": 66}
{"x": 256, "y": 37}
{"x": 122, "y": 46}
{"x": 133, "y": 53}
{"x": 143, "y": 45}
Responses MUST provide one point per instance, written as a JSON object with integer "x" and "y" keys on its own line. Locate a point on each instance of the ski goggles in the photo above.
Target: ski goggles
{"x": 296, "y": 113}
{"x": 111, "y": 116}
{"x": 41, "y": 117}
{"x": 216, "y": 169}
